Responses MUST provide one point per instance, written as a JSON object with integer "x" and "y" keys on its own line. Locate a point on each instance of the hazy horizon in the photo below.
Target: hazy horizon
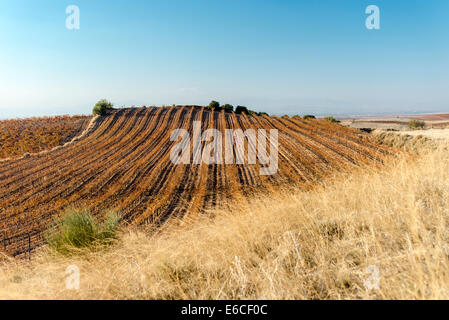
{"x": 289, "y": 57}
{"x": 297, "y": 111}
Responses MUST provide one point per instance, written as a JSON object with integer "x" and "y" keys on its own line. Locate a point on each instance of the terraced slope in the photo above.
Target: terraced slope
{"x": 123, "y": 162}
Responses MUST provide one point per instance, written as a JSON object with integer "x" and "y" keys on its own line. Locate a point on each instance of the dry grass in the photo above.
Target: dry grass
{"x": 436, "y": 134}
{"x": 409, "y": 141}
{"x": 296, "y": 245}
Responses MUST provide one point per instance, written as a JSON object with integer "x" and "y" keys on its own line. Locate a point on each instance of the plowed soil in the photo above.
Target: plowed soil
{"x": 123, "y": 162}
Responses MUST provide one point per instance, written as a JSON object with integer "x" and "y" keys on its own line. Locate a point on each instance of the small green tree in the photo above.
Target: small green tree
{"x": 331, "y": 119}
{"x": 241, "y": 109}
{"x": 101, "y": 107}
{"x": 228, "y": 108}
{"x": 214, "y": 104}
{"x": 308, "y": 116}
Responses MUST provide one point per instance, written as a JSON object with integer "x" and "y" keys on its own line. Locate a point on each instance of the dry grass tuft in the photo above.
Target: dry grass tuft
{"x": 296, "y": 245}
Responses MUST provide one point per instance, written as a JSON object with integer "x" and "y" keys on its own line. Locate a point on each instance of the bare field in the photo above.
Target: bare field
{"x": 398, "y": 123}
{"x": 433, "y": 117}
{"x": 25, "y": 136}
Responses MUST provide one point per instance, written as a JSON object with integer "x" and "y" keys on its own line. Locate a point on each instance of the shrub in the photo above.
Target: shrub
{"x": 214, "y": 104}
{"x": 416, "y": 124}
{"x": 252, "y": 112}
{"x": 331, "y": 119}
{"x": 78, "y": 229}
{"x": 241, "y": 109}
{"x": 101, "y": 107}
{"x": 228, "y": 108}
{"x": 308, "y": 116}
{"x": 262, "y": 114}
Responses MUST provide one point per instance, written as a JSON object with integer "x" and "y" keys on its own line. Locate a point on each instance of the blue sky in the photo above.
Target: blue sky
{"x": 278, "y": 56}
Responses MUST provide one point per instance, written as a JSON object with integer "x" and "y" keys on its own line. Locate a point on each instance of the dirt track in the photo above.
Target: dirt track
{"x": 123, "y": 163}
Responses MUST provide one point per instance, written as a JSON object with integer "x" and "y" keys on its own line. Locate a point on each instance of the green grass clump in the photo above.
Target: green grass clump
{"x": 101, "y": 107}
{"x": 416, "y": 124}
{"x": 78, "y": 229}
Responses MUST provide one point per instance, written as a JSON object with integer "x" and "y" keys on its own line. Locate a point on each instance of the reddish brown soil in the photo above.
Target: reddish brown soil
{"x": 33, "y": 135}
{"x": 433, "y": 117}
{"x": 123, "y": 162}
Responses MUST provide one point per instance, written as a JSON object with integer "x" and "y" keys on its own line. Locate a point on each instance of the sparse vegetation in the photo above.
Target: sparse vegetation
{"x": 416, "y": 124}
{"x": 101, "y": 107}
{"x": 78, "y": 229}
{"x": 214, "y": 105}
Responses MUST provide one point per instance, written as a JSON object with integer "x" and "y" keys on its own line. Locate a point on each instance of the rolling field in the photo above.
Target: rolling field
{"x": 387, "y": 222}
{"x": 122, "y": 162}
{"x": 18, "y": 137}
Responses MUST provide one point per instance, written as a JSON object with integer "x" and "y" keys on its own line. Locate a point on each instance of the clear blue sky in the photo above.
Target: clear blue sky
{"x": 278, "y": 56}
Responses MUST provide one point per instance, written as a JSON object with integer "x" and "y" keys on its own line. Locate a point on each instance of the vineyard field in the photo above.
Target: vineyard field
{"x": 122, "y": 161}
{"x": 23, "y": 136}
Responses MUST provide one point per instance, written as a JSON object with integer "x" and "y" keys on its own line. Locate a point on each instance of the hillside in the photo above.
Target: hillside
{"x": 21, "y": 136}
{"x": 123, "y": 162}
